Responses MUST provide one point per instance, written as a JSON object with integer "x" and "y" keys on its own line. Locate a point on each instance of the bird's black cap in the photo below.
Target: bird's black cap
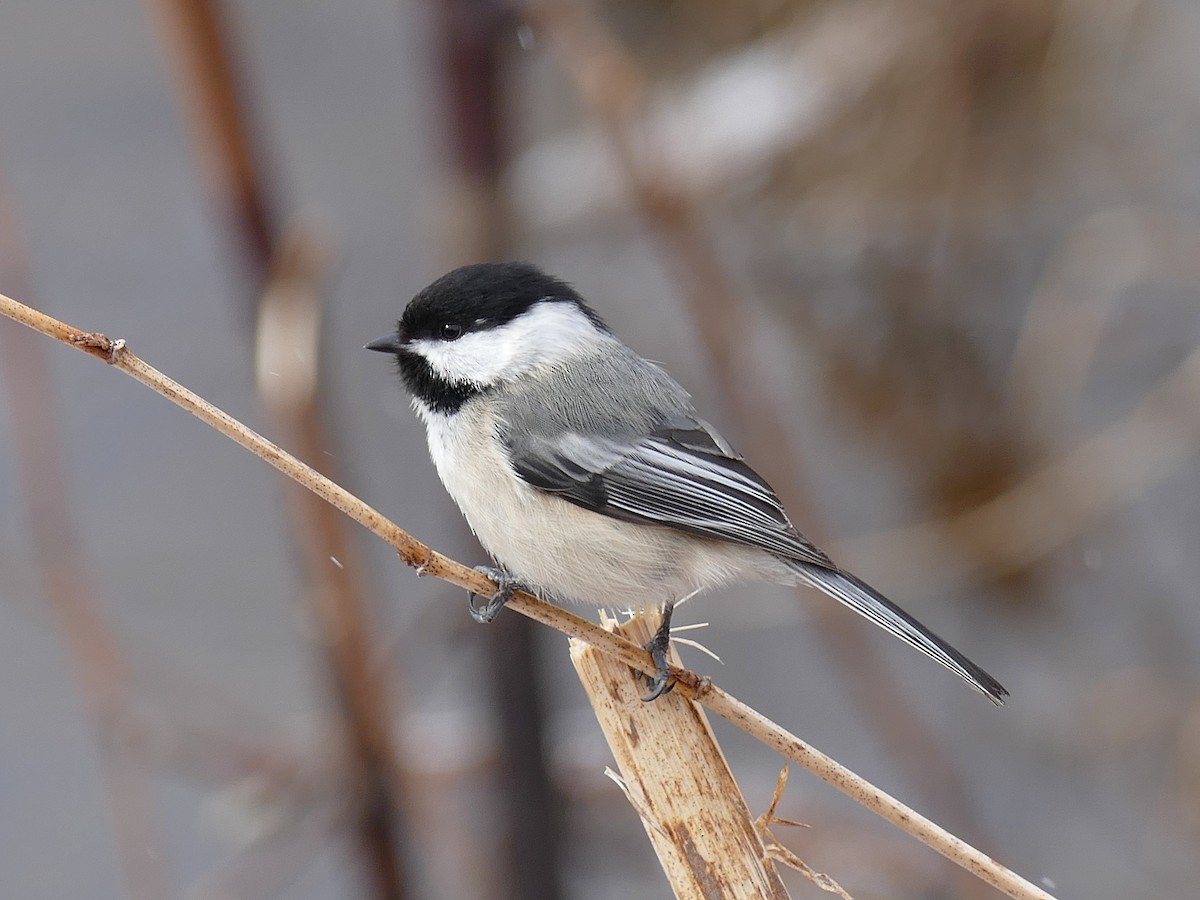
{"x": 484, "y": 295}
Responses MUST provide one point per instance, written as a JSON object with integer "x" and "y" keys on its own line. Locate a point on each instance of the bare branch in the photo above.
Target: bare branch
{"x": 194, "y": 38}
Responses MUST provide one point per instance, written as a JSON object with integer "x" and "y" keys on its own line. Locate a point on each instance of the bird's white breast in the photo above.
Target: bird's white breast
{"x": 555, "y": 547}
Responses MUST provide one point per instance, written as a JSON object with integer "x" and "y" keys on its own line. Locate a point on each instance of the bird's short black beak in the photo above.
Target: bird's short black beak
{"x": 389, "y": 344}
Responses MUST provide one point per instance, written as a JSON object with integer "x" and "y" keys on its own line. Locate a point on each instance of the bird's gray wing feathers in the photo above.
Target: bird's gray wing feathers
{"x": 680, "y": 474}
{"x": 676, "y": 470}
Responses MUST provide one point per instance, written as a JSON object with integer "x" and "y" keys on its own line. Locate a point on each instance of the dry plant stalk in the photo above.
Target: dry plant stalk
{"x": 195, "y": 46}
{"x": 677, "y": 779}
{"x": 781, "y": 853}
{"x": 429, "y": 562}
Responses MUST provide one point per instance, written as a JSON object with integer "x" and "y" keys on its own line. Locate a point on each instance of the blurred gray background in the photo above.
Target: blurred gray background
{"x": 933, "y": 268}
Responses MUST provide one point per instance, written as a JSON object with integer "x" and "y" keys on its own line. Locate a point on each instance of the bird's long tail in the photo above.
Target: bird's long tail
{"x": 868, "y": 602}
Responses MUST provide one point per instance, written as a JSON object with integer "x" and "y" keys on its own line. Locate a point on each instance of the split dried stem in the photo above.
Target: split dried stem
{"x": 678, "y": 780}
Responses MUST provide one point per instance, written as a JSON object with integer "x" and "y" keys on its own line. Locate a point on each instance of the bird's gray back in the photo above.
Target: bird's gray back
{"x": 609, "y": 390}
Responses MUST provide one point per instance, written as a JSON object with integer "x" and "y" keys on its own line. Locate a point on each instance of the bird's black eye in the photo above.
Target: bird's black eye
{"x": 451, "y": 331}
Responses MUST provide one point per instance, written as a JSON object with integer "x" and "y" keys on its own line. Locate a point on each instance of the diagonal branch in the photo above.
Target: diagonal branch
{"x": 429, "y": 562}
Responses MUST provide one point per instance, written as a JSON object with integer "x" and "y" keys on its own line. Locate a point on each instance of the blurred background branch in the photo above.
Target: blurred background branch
{"x": 291, "y": 269}
{"x": 524, "y": 854}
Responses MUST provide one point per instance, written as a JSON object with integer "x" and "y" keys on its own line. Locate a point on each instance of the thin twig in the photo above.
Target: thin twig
{"x": 429, "y": 562}
{"x": 781, "y": 853}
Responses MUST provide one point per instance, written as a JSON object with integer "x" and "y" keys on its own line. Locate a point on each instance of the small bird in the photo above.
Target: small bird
{"x": 585, "y": 471}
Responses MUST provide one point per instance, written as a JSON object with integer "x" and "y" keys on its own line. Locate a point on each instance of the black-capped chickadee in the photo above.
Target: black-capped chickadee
{"x": 586, "y": 473}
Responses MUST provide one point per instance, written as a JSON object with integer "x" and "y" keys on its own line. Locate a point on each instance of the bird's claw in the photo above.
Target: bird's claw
{"x": 662, "y": 682}
{"x": 506, "y": 586}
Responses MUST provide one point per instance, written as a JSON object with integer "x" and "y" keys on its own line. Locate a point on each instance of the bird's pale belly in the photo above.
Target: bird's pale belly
{"x": 561, "y": 550}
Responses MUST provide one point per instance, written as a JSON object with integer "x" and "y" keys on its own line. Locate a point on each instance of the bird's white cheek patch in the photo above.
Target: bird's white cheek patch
{"x": 543, "y": 335}
{"x": 472, "y": 358}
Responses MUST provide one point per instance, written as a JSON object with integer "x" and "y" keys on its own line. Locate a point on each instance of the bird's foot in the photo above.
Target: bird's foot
{"x": 662, "y": 682}
{"x": 506, "y": 586}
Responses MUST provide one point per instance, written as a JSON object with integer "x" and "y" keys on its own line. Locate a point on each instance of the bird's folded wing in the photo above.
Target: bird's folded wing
{"x": 682, "y": 474}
